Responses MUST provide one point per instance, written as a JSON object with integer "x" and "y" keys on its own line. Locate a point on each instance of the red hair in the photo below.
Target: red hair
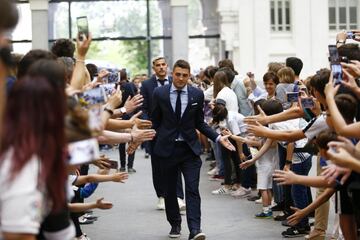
{"x": 34, "y": 125}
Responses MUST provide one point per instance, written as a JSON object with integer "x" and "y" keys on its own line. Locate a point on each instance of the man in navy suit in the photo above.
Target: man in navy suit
{"x": 177, "y": 114}
{"x": 160, "y": 78}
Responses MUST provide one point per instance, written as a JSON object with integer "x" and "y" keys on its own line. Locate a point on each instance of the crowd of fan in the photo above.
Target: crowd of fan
{"x": 276, "y": 138}
{"x": 278, "y": 131}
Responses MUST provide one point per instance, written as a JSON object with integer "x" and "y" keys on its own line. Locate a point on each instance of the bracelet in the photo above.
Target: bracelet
{"x": 111, "y": 112}
{"x": 82, "y": 61}
{"x": 288, "y": 162}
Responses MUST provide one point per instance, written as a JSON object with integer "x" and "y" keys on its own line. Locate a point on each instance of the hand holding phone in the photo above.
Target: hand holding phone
{"x": 292, "y": 96}
{"x": 307, "y": 102}
{"x": 83, "y": 27}
{"x": 335, "y": 65}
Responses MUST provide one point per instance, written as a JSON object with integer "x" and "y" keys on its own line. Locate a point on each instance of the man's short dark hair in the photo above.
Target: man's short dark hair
{"x": 229, "y": 73}
{"x": 295, "y": 63}
{"x": 156, "y": 59}
{"x": 182, "y": 64}
{"x": 63, "y": 48}
{"x": 227, "y": 63}
{"x": 350, "y": 50}
{"x": 319, "y": 80}
{"x": 347, "y": 106}
{"x": 30, "y": 58}
{"x": 9, "y": 15}
{"x": 271, "y": 76}
{"x": 271, "y": 107}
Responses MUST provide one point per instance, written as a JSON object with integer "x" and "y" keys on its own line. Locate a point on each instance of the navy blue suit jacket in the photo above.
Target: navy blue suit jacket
{"x": 167, "y": 126}
{"x": 147, "y": 90}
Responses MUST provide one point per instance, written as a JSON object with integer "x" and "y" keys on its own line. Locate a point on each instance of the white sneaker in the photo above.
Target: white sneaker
{"x": 182, "y": 205}
{"x": 259, "y": 201}
{"x": 221, "y": 191}
{"x": 213, "y": 171}
{"x": 161, "y": 204}
{"x": 241, "y": 192}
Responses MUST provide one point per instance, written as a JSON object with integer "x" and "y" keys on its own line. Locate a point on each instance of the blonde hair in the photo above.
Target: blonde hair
{"x": 286, "y": 75}
{"x": 275, "y": 67}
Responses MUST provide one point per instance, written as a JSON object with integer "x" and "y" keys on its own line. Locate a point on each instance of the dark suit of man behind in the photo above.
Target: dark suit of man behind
{"x": 178, "y": 147}
{"x": 147, "y": 89}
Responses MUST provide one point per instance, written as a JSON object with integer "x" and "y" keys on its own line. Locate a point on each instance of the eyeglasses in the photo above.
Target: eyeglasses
{"x": 184, "y": 75}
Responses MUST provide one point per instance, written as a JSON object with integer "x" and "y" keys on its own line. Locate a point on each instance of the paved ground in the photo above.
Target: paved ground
{"x": 134, "y": 216}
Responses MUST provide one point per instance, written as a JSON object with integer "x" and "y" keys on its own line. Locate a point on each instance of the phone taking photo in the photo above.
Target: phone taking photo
{"x": 350, "y": 35}
{"x": 292, "y": 96}
{"x": 83, "y": 27}
{"x": 92, "y": 97}
{"x": 307, "y": 103}
{"x": 335, "y": 65}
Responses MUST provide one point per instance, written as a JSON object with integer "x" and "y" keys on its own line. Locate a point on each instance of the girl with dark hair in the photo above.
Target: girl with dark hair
{"x": 33, "y": 172}
{"x": 233, "y": 121}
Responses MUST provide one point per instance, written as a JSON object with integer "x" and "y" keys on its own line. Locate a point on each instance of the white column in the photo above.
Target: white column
{"x": 319, "y": 35}
{"x": 180, "y": 33}
{"x": 39, "y": 24}
{"x": 229, "y": 29}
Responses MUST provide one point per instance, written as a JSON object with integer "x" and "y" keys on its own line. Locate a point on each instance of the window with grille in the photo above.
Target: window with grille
{"x": 343, "y": 14}
{"x": 280, "y": 15}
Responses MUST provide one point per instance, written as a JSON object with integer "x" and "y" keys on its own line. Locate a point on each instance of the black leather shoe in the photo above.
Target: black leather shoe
{"x": 197, "y": 235}
{"x": 175, "y": 232}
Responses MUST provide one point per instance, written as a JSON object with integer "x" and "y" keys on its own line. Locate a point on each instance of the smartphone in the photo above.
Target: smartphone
{"x": 292, "y": 96}
{"x": 92, "y": 97}
{"x": 113, "y": 164}
{"x": 83, "y": 27}
{"x": 84, "y": 151}
{"x": 350, "y": 35}
{"x": 109, "y": 88}
{"x": 336, "y": 70}
{"x": 333, "y": 54}
{"x": 114, "y": 77}
{"x": 307, "y": 103}
{"x": 335, "y": 66}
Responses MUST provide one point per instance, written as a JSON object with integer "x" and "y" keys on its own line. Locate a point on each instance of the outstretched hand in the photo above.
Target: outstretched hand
{"x": 261, "y": 117}
{"x": 224, "y": 140}
{"x": 296, "y": 217}
{"x": 246, "y": 164}
{"x": 257, "y": 129}
{"x": 284, "y": 177}
{"x": 103, "y": 205}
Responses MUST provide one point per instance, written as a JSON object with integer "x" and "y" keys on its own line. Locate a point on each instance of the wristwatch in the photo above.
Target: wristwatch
{"x": 123, "y": 110}
{"x": 288, "y": 162}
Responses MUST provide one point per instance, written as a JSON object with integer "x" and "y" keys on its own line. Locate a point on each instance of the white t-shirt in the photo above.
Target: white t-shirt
{"x": 235, "y": 123}
{"x": 293, "y": 124}
{"x": 209, "y": 93}
{"x": 315, "y": 126}
{"x": 21, "y": 201}
{"x": 230, "y": 98}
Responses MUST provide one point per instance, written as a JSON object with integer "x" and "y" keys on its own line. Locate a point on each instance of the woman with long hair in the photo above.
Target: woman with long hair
{"x": 32, "y": 164}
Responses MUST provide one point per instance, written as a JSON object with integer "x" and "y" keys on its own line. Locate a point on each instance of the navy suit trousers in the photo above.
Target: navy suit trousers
{"x": 189, "y": 164}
